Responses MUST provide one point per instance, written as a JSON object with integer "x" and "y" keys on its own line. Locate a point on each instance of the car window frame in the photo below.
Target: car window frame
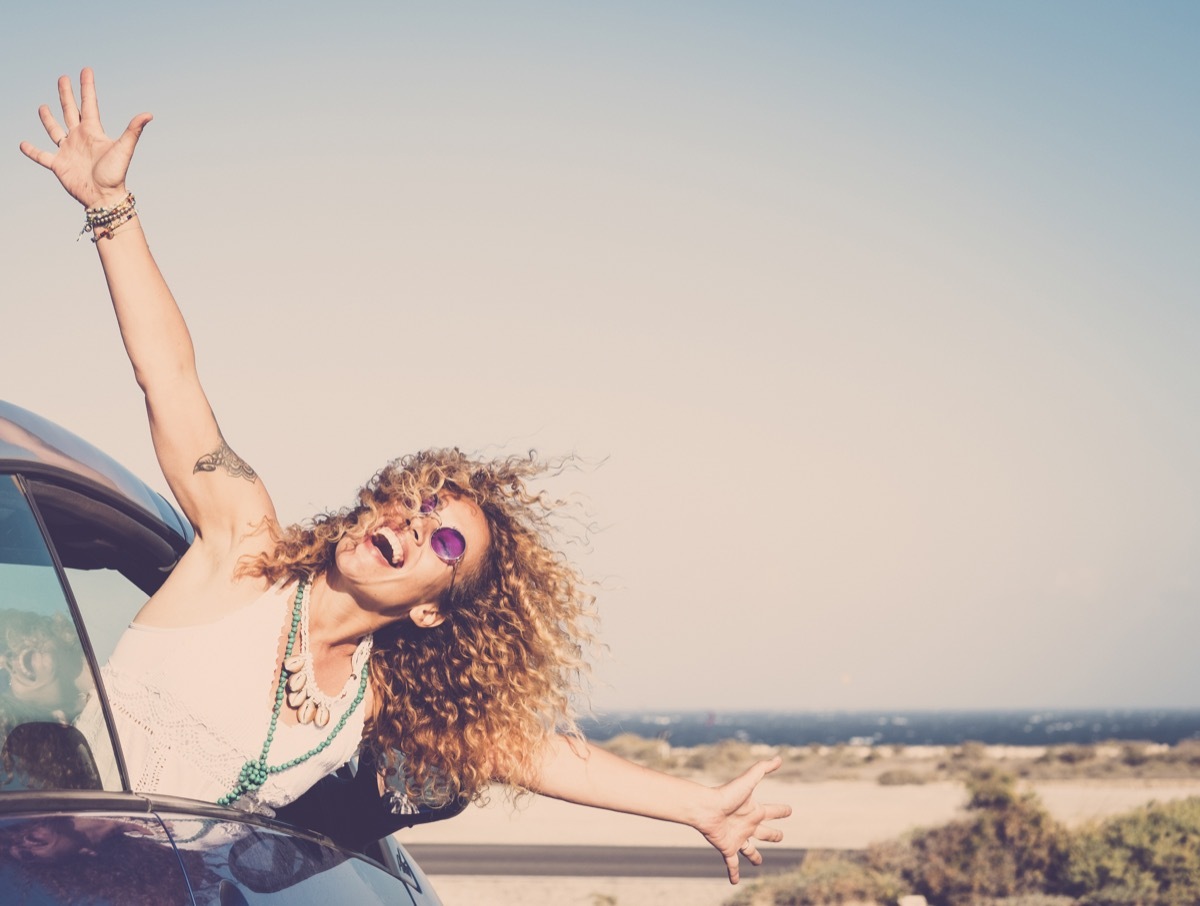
{"x": 81, "y": 632}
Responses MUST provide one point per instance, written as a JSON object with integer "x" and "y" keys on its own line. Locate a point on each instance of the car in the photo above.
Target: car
{"x": 83, "y": 543}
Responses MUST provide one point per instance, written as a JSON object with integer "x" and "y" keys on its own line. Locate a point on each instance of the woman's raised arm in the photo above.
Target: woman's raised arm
{"x": 219, "y": 493}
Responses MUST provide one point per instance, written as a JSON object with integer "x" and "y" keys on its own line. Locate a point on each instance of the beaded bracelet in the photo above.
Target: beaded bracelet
{"x": 101, "y": 222}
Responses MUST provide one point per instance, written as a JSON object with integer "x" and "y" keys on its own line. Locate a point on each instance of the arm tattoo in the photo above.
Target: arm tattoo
{"x": 226, "y": 459}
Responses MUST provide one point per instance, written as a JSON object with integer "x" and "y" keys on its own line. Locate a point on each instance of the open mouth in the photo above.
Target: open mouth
{"x": 387, "y": 542}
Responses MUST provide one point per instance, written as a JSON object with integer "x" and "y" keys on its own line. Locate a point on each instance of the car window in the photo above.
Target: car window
{"x": 45, "y": 680}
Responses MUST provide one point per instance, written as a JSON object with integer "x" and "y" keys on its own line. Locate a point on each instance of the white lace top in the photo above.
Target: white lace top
{"x": 191, "y": 707}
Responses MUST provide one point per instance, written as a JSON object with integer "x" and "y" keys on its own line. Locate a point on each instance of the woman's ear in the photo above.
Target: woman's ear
{"x": 427, "y": 615}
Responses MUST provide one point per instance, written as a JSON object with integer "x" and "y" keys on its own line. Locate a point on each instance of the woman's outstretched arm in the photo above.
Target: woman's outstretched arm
{"x": 728, "y": 816}
{"x": 219, "y": 493}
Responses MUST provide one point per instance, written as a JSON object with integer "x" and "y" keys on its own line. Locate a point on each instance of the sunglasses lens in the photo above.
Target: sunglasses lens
{"x": 429, "y": 504}
{"x": 448, "y": 544}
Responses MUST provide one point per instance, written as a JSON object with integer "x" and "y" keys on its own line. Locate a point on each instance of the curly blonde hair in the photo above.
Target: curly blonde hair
{"x": 477, "y": 696}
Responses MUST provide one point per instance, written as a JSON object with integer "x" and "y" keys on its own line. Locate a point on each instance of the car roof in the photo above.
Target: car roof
{"x": 38, "y": 447}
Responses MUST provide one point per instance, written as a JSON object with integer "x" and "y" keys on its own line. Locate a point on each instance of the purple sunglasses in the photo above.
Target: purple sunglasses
{"x": 447, "y": 543}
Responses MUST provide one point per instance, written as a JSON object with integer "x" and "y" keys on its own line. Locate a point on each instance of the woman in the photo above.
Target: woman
{"x": 432, "y": 619}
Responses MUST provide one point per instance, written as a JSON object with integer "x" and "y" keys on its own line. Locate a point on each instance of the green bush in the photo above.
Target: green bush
{"x": 824, "y": 879}
{"x": 1009, "y": 846}
{"x": 1148, "y": 857}
{"x": 970, "y": 751}
{"x": 727, "y": 757}
{"x": 1135, "y": 754}
{"x": 1184, "y": 752}
{"x": 900, "y": 777}
{"x": 654, "y": 753}
{"x": 990, "y": 789}
{"x": 1074, "y": 754}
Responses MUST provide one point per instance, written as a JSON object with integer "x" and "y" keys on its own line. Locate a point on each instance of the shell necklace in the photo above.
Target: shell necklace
{"x": 303, "y": 694}
{"x": 255, "y": 773}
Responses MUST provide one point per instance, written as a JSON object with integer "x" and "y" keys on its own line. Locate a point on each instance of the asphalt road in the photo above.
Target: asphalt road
{"x": 589, "y": 861}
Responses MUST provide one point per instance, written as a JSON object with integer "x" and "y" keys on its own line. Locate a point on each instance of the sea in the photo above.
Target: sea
{"x": 909, "y": 728}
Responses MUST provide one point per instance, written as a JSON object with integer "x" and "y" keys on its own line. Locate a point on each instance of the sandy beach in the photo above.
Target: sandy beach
{"x": 837, "y": 814}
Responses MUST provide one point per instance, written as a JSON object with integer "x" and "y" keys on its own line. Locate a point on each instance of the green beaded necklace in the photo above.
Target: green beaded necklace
{"x": 255, "y": 773}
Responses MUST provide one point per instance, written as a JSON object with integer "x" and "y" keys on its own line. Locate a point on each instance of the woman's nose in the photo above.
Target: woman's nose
{"x": 421, "y": 526}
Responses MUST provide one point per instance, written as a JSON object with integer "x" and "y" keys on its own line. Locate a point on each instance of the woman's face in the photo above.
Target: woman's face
{"x": 34, "y": 675}
{"x": 44, "y": 841}
{"x": 395, "y": 567}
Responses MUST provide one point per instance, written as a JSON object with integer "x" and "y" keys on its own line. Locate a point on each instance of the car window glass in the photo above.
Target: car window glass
{"x": 113, "y": 561}
{"x": 45, "y": 683}
{"x": 108, "y": 602}
{"x": 94, "y": 859}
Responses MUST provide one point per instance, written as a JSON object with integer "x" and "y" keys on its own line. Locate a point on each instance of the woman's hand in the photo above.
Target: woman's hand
{"x": 90, "y": 165}
{"x": 738, "y": 819}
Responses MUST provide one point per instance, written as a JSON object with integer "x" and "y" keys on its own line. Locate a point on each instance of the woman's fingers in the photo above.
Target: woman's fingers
{"x": 129, "y": 138}
{"x": 37, "y": 155}
{"x": 740, "y": 791}
{"x": 776, "y": 810}
{"x": 66, "y": 97}
{"x": 732, "y": 868}
{"x": 744, "y": 785}
{"x": 763, "y": 768}
{"x": 109, "y": 170}
{"x": 88, "y": 107}
{"x": 768, "y": 834}
{"x": 56, "y": 132}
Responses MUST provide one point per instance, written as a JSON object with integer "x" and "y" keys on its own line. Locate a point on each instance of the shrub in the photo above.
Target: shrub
{"x": 1075, "y": 754}
{"x": 1135, "y": 754}
{"x": 1148, "y": 856}
{"x": 654, "y": 753}
{"x": 721, "y": 758}
{"x": 991, "y": 789}
{"x": 1010, "y": 846}
{"x": 823, "y": 879}
{"x": 970, "y": 751}
{"x": 900, "y": 777}
{"x": 1185, "y": 752}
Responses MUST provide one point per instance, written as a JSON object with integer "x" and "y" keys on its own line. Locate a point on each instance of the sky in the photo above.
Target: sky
{"x": 872, "y": 326}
